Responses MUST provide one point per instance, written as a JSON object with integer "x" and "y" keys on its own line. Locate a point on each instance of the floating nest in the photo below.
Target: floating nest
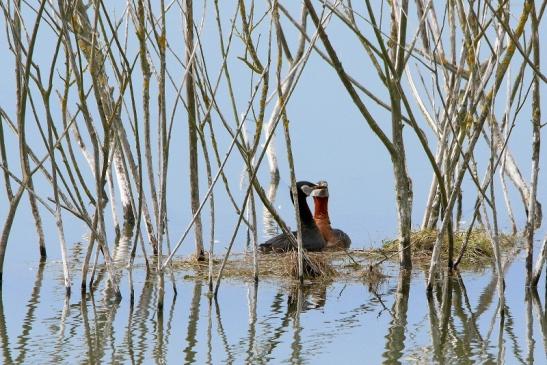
{"x": 479, "y": 251}
{"x": 318, "y": 266}
{"x": 314, "y": 266}
{"x": 361, "y": 265}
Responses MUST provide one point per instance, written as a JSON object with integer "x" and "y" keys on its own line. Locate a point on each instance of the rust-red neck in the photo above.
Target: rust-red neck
{"x": 321, "y": 207}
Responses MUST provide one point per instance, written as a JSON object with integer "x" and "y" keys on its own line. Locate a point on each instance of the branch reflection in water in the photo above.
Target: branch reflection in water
{"x": 395, "y": 338}
{"x": 284, "y": 322}
{"x": 28, "y": 322}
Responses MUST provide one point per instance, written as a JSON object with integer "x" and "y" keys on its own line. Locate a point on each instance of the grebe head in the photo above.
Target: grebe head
{"x": 322, "y": 190}
{"x": 306, "y": 187}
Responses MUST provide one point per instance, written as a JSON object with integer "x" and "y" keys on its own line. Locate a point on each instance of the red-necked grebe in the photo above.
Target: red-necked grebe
{"x": 335, "y": 238}
{"x": 312, "y": 240}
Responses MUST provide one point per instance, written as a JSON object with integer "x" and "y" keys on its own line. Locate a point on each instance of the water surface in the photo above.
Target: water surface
{"x": 274, "y": 321}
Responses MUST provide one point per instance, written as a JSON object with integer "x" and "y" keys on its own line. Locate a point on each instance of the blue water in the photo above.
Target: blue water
{"x": 276, "y": 322}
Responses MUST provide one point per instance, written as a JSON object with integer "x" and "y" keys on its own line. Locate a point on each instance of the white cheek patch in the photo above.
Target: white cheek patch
{"x": 306, "y": 189}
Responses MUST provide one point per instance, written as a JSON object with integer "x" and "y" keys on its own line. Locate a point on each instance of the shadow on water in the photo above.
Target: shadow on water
{"x": 283, "y": 323}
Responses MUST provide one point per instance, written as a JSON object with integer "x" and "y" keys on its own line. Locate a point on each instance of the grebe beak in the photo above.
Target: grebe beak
{"x": 320, "y": 192}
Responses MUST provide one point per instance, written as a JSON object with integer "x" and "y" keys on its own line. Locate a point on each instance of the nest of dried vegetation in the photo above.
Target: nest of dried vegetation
{"x": 479, "y": 251}
{"x": 354, "y": 265}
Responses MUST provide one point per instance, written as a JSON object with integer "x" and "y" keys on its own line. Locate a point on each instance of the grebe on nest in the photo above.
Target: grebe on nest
{"x": 335, "y": 238}
{"x": 312, "y": 240}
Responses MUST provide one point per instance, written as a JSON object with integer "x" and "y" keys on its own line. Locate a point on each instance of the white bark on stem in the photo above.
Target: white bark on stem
{"x": 494, "y": 237}
{"x": 251, "y": 208}
{"x": 95, "y": 56}
{"x": 286, "y": 85}
{"x": 489, "y": 97}
{"x": 123, "y": 184}
{"x": 112, "y": 199}
{"x": 58, "y": 215}
{"x": 434, "y": 182}
{"x": 505, "y": 127}
{"x": 536, "y": 140}
{"x": 435, "y": 256}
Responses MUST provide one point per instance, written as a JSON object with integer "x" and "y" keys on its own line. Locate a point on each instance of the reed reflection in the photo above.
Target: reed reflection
{"x": 446, "y": 308}
{"x": 122, "y": 246}
{"x": 266, "y": 345}
{"x": 530, "y": 341}
{"x": 298, "y": 299}
{"x": 97, "y": 329}
{"x": 252, "y": 295}
{"x": 395, "y": 338}
{"x": 222, "y": 334}
{"x": 541, "y": 316}
{"x": 193, "y": 318}
{"x": 102, "y": 329}
{"x": 465, "y": 336}
{"x": 209, "y": 359}
{"x": 304, "y": 297}
{"x": 512, "y": 337}
{"x": 4, "y": 338}
{"x": 469, "y": 336}
{"x": 456, "y": 335}
{"x": 455, "y": 326}
{"x": 27, "y": 325}
{"x": 30, "y": 317}
{"x": 158, "y": 351}
{"x": 143, "y": 312}
{"x": 58, "y": 353}
{"x": 169, "y": 325}
{"x": 128, "y": 336}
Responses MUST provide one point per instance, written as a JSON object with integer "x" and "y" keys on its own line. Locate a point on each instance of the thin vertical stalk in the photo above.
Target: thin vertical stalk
{"x": 290, "y": 159}
{"x": 145, "y": 70}
{"x": 22, "y": 93}
{"x": 58, "y": 216}
{"x": 536, "y": 140}
{"x": 192, "y": 128}
{"x": 22, "y": 76}
{"x": 4, "y": 160}
{"x": 162, "y": 137}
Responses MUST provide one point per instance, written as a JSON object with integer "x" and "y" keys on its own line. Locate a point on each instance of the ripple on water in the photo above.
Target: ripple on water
{"x": 273, "y": 322}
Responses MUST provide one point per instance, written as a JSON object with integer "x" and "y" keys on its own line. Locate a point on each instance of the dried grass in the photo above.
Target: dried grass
{"x": 479, "y": 249}
{"x": 315, "y": 265}
{"x": 320, "y": 266}
{"x": 355, "y": 265}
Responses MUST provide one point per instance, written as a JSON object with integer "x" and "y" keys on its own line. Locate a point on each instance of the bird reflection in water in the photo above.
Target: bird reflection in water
{"x": 291, "y": 324}
{"x": 305, "y": 297}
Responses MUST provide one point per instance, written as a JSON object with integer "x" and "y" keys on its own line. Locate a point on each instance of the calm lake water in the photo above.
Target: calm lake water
{"x": 273, "y": 322}
{"x": 276, "y": 321}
